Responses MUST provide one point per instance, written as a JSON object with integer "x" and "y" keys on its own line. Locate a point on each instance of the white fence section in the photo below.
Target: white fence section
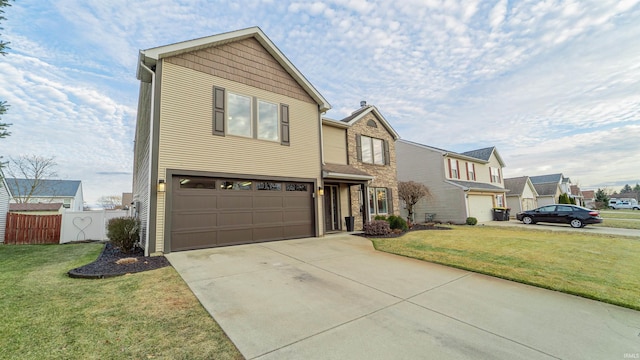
{"x": 87, "y": 225}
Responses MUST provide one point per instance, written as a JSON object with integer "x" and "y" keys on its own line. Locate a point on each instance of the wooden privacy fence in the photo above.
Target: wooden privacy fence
{"x": 32, "y": 229}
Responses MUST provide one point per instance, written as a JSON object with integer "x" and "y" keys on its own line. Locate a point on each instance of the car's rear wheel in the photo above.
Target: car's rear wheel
{"x": 527, "y": 220}
{"x": 576, "y": 223}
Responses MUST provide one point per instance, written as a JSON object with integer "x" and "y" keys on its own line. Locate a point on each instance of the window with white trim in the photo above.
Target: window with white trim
{"x": 454, "y": 169}
{"x": 248, "y": 116}
{"x": 499, "y": 200}
{"x": 378, "y": 201}
{"x": 268, "y": 121}
{"x": 471, "y": 171}
{"x": 372, "y": 150}
{"x": 239, "y": 115}
{"x": 495, "y": 174}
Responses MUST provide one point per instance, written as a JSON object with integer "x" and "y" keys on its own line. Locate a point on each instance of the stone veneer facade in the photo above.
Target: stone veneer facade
{"x": 384, "y": 175}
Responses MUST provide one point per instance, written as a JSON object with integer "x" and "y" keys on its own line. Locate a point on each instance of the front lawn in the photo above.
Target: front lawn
{"x": 624, "y": 219}
{"x": 47, "y": 315}
{"x": 601, "y": 267}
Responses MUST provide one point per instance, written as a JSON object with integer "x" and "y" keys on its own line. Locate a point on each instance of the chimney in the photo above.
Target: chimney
{"x": 363, "y": 103}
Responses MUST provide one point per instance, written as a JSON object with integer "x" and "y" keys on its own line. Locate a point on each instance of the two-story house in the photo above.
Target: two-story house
{"x": 227, "y": 145}
{"x": 359, "y": 168}
{"x": 462, "y": 185}
{"x": 549, "y": 187}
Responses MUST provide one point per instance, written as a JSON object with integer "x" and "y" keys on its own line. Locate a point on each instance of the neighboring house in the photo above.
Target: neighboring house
{"x": 589, "y": 197}
{"x": 359, "y": 169}
{"x": 462, "y": 185}
{"x": 37, "y": 208}
{"x": 626, "y": 196}
{"x": 5, "y": 196}
{"x": 227, "y": 145}
{"x": 522, "y": 194}
{"x": 577, "y": 195}
{"x": 67, "y": 192}
{"x": 127, "y": 199}
{"x": 548, "y": 187}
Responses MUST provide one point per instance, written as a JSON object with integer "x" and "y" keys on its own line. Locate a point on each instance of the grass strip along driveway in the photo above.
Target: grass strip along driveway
{"x": 623, "y": 219}
{"x": 47, "y": 315}
{"x": 599, "y": 267}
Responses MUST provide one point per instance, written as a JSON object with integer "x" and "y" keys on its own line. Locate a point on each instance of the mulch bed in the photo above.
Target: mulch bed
{"x": 416, "y": 227}
{"x": 107, "y": 264}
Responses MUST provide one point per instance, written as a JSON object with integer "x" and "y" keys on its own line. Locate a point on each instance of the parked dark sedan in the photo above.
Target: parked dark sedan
{"x": 576, "y": 216}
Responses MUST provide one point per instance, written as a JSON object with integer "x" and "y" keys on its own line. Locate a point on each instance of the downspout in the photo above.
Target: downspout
{"x": 151, "y": 107}
{"x": 320, "y": 204}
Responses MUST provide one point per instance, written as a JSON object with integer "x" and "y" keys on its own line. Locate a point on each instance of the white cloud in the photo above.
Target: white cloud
{"x": 453, "y": 74}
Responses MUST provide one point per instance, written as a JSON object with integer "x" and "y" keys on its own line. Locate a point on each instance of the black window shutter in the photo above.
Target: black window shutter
{"x": 284, "y": 124}
{"x": 390, "y": 200}
{"x": 387, "y": 160}
{"x": 359, "y": 147}
{"x": 218, "y": 110}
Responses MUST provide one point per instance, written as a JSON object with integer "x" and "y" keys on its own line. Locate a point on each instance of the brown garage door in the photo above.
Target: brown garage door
{"x": 209, "y": 212}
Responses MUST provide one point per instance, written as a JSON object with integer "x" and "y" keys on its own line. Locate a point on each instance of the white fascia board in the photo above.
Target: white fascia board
{"x": 333, "y": 175}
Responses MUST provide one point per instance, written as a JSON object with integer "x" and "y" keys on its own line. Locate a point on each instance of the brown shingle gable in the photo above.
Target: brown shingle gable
{"x": 150, "y": 57}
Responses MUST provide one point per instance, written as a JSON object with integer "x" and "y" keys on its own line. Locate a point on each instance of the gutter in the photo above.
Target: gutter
{"x": 151, "y": 107}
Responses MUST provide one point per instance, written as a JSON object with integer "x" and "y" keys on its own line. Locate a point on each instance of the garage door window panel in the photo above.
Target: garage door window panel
{"x": 197, "y": 183}
{"x": 270, "y": 186}
{"x": 235, "y": 185}
{"x": 297, "y": 187}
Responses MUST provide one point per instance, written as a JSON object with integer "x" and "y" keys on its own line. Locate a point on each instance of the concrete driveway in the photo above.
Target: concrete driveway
{"x": 337, "y": 298}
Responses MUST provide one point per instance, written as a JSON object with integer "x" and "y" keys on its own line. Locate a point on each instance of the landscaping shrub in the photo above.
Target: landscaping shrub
{"x": 123, "y": 232}
{"x": 397, "y": 222}
{"x": 376, "y": 228}
{"x": 471, "y": 220}
{"x": 380, "y": 217}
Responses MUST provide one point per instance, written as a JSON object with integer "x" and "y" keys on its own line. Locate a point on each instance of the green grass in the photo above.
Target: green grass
{"x": 619, "y": 223}
{"x": 46, "y": 314}
{"x": 624, "y": 219}
{"x": 599, "y": 267}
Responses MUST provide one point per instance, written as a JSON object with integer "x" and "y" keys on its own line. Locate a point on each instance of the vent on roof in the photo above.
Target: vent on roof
{"x": 363, "y": 103}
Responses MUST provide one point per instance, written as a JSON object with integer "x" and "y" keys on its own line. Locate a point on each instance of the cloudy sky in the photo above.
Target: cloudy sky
{"x": 555, "y": 85}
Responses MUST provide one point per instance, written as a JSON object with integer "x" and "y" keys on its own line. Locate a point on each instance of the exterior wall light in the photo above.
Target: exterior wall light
{"x": 320, "y": 191}
{"x": 162, "y": 186}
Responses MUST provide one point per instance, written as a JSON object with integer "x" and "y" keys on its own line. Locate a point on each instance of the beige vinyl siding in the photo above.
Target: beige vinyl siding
{"x": 529, "y": 201}
{"x": 141, "y": 159}
{"x": 484, "y": 172}
{"x": 187, "y": 142}
{"x": 335, "y": 145}
{"x": 423, "y": 165}
{"x": 515, "y": 203}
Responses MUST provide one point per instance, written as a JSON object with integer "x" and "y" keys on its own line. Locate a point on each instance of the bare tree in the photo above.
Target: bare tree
{"x": 411, "y": 192}
{"x": 35, "y": 169}
{"x": 110, "y": 201}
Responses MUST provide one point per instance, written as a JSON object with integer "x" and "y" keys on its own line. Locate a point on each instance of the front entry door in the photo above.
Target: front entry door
{"x": 331, "y": 208}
